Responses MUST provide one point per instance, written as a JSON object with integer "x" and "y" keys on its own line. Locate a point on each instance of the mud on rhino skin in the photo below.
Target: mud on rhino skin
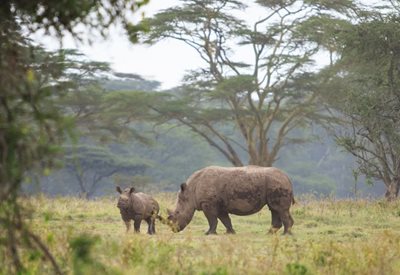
{"x": 220, "y": 191}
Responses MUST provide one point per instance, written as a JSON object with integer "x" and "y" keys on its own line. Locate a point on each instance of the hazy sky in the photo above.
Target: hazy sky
{"x": 165, "y": 62}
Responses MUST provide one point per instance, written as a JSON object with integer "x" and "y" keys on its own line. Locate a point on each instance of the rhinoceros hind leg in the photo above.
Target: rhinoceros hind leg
{"x": 287, "y": 221}
{"x": 151, "y": 226}
{"x": 226, "y": 220}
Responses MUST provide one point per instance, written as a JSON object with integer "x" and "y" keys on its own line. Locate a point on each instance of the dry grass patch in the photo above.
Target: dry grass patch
{"x": 330, "y": 237}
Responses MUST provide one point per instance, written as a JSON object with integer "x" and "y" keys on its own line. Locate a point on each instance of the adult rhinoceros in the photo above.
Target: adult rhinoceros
{"x": 220, "y": 191}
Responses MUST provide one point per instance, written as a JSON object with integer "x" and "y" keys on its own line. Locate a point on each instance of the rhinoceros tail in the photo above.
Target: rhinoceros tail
{"x": 158, "y": 217}
{"x": 291, "y": 193}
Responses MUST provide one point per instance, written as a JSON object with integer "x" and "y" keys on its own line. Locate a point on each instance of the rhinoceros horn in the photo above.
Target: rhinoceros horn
{"x": 169, "y": 212}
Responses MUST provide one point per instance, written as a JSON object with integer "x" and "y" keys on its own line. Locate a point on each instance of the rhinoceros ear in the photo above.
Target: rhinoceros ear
{"x": 183, "y": 186}
{"x": 118, "y": 189}
{"x": 131, "y": 190}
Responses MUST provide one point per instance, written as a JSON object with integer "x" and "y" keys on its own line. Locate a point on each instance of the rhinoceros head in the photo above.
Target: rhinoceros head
{"x": 184, "y": 210}
{"x": 124, "y": 201}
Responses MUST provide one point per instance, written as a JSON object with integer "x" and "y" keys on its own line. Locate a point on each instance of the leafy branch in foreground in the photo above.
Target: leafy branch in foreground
{"x": 31, "y": 126}
{"x": 58, "y": 18}
{"x": 30, "y": 129}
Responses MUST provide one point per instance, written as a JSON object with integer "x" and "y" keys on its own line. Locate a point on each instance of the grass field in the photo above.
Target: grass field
{"x": 330, "y": 237}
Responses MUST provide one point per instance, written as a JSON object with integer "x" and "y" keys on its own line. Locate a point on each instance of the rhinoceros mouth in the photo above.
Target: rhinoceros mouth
{"x": 122, "y": 204}
{"x": 175, "y": 228}
{"x": 173, "y": 225}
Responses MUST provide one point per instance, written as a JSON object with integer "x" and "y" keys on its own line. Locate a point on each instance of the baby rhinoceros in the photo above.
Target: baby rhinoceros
{"x": 137, "y": 207}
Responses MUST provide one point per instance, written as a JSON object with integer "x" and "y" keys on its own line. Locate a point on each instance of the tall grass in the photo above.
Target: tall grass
{"x": 330, "y": 237}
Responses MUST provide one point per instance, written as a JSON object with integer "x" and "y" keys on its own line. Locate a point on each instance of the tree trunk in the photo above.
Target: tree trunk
{"x": 84, "y": 195}
{"x": 392, "y": 189}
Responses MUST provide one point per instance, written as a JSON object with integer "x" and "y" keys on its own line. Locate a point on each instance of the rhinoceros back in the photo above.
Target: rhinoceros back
{"x": 148, "y": 205}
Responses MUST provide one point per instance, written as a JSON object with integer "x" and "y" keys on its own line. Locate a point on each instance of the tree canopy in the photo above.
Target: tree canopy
{"x": 365, "y": 92}
{"x": 91, "y": 164}
{"x": 58, "y": 17}
{"x": 264, "y": 98}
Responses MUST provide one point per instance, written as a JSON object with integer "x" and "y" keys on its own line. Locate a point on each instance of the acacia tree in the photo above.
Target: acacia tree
{"x": 264, "y": 98}
{"x": 97, "y": 109}
{"x": 90, "y": 165}
{"x": 30, "y": 125}
{"x": 365, "y": 92}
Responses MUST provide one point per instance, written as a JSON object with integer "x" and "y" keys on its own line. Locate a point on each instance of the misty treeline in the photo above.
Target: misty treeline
{"x": 156, "y": 155}
{"x": 320, "y": 74}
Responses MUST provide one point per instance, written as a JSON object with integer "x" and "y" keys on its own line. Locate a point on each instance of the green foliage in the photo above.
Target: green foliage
{"x": 90, "y": 165}
{"x": 128, "y": 82}
{"x": 104, "y": 115}
{"x": 32, "y": 127}
{"x": 64, "y": 16}
{"x": 324, "y": 30}
{"x": 364, "y": 91}
{"x": 187, "y": 16}
{"x": 341, "y": 6}
{"x": 234, "y": 86}
{"x": 100, "y": 157}
{"x": 81, "y": 247}
{"x": 218, "y": 271}
{"x": 83, "y": 261}
{"x": 296, "y": 269}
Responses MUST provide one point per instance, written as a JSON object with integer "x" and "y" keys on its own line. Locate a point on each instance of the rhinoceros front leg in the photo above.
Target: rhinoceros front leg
{"x": 153, "y": 225}
{"x": 128, "y": 225}
{"x": 136, "y": 225}
{"x": 287, "y": 221}
{"x": 226, "y": 220}
{"x": 211, "y": 215}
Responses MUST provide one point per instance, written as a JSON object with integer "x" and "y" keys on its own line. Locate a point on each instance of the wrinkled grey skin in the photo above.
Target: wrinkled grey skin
{"x": 137, "y": 207}
{"x": 220, "y": 191}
